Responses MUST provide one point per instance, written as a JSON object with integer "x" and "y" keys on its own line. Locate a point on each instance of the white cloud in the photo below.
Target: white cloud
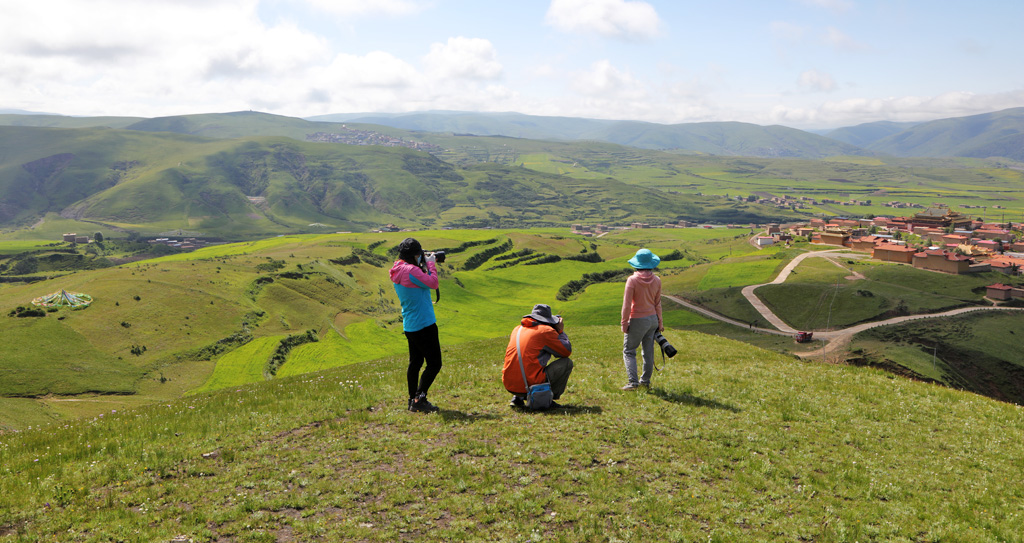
{"x": 633, "y": 20}
{"x": 467, "y": 58}
{"x": 814, "y": 80}
{"x": 605, "y": 80}
{"x": 854, "y": 111}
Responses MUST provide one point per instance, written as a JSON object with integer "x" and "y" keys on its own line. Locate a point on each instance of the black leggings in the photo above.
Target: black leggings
{"x": 423, "y": 345}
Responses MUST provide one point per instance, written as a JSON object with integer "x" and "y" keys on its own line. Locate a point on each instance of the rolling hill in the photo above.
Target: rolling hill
{"x": 160, "y": 180}
{"x": 864, "y": 135}
{"x": 997, "y": 134}
{"x": 750, "y": 444}
{"x": 719, "y": 138}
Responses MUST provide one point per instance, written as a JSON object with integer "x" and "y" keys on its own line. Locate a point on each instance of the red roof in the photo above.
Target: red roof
{"x": 1000, "y": 286}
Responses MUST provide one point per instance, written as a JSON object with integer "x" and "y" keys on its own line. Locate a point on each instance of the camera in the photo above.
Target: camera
{"x": 438, "y": 256}
{"x": 666, "y": 347}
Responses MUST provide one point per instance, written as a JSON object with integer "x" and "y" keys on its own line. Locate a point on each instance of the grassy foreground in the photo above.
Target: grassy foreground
{"x": 733, "y": 443}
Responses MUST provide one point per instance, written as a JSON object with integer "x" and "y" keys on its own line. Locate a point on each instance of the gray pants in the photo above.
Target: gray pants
{"x": 641, "y": 334}
{"x": 558, "y": 375}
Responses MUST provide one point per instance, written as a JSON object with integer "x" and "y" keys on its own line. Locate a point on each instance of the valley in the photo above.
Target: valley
{"x": 219, "y": 390}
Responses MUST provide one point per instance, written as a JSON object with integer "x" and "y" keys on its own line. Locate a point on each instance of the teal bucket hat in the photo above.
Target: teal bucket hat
{"x": 645, "y": 260}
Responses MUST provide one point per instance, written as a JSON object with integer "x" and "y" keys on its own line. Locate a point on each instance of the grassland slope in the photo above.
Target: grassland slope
{"x": 732, "y": 443}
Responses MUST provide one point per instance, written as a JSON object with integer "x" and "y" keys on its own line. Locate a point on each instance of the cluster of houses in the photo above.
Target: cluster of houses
{"x": 351, "y": 136}
{"x": 72, "y": 237}
{"x": 950, "y": 242}
{"x": 598, "y": 229}
{"x": 186, "y": 244}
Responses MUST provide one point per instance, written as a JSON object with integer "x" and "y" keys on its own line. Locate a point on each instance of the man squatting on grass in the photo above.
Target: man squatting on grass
{"x": 543, "y": 335}
{"x": 414, "y": 275}
{"x": 641, "y": 316}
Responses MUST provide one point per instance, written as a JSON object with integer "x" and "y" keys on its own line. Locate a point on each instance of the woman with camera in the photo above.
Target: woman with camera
{"x": 414, "y": 276}
{"x": 641, "y": 317}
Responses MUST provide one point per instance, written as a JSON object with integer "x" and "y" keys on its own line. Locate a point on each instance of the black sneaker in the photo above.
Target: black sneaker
{"x": 421, "y": 405}
{"x": 555, "y": 405}
{"x": 517, "y": 402}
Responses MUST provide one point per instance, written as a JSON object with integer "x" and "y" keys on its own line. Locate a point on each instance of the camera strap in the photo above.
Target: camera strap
{"x": 662, "y": 359}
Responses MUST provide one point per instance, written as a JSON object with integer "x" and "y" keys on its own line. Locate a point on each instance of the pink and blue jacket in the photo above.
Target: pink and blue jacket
{"x": 413, "y": 289}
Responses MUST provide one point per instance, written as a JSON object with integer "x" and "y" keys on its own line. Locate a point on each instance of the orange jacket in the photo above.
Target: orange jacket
{"x": 538, "y": 341}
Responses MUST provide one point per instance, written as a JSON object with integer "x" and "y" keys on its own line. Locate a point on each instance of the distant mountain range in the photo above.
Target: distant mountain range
{"x": 998, "y": 134}
{"x": 249, "y": 173}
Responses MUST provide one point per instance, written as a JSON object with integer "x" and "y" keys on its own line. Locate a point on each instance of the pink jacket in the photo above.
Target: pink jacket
{"x": 642, "y": 298}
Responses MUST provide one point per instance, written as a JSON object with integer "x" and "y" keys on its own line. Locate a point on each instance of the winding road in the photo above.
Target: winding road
{"x": 835, "y": 338}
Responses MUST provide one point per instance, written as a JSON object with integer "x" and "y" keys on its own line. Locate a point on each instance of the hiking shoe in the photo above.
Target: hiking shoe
{"x": 421, "y": 405}
{"x": 631, "y": 387}
{"x": 555, "y": 405}
{"x": 517, "y": 402}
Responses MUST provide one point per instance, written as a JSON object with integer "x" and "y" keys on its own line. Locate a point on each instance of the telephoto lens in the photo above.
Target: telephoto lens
{"x": 666, "y": 347}
{"x": 439, "y": 256}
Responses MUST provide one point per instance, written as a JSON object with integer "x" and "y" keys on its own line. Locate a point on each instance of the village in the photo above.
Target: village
{"x": 935, "y": 239}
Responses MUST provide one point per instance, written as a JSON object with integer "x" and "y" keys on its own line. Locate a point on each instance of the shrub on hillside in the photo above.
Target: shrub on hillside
{"x": 478, "y": 259}
{"x": 577, "y": 285}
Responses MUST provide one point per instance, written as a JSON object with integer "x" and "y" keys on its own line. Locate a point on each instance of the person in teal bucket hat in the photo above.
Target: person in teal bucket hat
{"x": 641, "y": 317}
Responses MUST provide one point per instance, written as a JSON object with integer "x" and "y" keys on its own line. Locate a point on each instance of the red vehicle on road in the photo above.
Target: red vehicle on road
{"x": 803, "y": 337}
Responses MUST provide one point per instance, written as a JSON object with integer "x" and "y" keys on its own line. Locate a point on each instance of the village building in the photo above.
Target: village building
{"x": 993, "y": 233}
{"x": 999, "y": 291}
{"x": 992, "y": 245}
{"x": 944, "y": 261}
{"x": 834, "y": 237}
{"x": 893, "y": 252}
{"x": 764, "y": 241}
{"x": 863, "y": 243}
{"x": 940, "y": 217}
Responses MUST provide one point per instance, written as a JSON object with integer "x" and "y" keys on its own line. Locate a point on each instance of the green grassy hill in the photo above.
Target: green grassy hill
{"x": 161, "y": 327}
{"x": 866, "y": 134}
{"x": 976, "y": 136}
{"x": 720, "y": 138}
{"x": 732, "y": 443}
{"x": 159, "y": 181}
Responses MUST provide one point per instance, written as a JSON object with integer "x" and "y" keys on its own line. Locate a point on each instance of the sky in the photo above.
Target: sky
{"x": 809, "y": 64}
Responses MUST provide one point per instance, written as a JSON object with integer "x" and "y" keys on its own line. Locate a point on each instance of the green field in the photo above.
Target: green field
{"x": 751, "y": 445}
{"x": 976, "y": 352}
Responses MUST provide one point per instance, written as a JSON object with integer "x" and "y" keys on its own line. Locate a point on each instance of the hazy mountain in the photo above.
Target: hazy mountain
{"x": 865, "y": 134}
{"x": 63, "y": 121}
{"x": 720, "y": 138}
{"x": 997, "y": 134}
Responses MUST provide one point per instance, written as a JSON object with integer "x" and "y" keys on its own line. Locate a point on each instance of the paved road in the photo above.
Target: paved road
{"x": 835, "y": 338}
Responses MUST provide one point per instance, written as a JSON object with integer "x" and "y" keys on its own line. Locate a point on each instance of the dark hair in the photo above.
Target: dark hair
{"x": 409, "y": 249}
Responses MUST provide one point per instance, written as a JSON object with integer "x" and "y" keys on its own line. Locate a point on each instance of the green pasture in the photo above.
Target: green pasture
{"x": 740, "y": 273}
{"x": 42, "y": 356}
{"x": 752, "y": 445}
{"x": 245, "y": 364}
{"x": 978, "y": 351}
{"x": 189, "y": 302}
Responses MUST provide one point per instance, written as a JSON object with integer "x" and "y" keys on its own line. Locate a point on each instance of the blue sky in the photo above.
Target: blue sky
{"x": 799, "y": 63}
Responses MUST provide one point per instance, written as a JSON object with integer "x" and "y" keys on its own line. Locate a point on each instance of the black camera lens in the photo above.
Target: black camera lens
{"x": 439, "y": 256}
{"x": 666, "y": 347}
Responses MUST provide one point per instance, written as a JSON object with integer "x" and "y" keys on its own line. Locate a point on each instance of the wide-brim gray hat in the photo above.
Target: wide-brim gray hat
{"x": 645, "y": 260}
{"x": 542, "y": 313}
